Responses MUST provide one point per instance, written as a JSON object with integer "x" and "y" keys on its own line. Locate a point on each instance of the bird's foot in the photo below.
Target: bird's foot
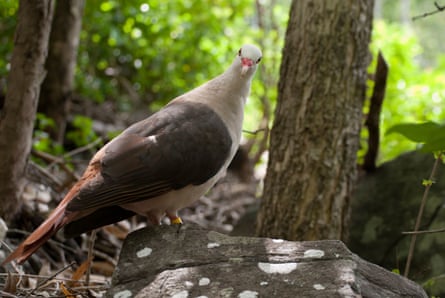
{"x": 176, "y": 220}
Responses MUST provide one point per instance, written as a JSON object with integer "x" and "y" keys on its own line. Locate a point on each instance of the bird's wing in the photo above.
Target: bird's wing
{"x": 183, "y": 144}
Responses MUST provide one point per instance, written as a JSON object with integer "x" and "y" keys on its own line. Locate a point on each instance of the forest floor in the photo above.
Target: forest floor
{"x": 75, "y": 267}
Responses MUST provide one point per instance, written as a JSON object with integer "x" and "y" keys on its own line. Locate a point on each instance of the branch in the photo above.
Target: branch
{"x": 426, "y": 14}
{"x": 55, "y": 160}
{"x": 425, "y": 232}
{"x": 255, "y": 132}
{"x": 36, "y": 173}
{"x": 83, "y": 148}
{"x": 419, "y": 216}
{"x": 373, "y": 119}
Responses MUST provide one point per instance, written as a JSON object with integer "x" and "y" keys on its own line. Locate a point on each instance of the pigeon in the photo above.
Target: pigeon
{"x": 159, "y": 165}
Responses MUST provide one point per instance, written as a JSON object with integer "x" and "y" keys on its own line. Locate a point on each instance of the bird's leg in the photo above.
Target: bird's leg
{"x": 154, "y": 218}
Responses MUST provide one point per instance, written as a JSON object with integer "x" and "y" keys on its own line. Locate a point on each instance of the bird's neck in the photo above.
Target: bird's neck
{"x": 232, "y": 77}
{"x": 226, "y": 94}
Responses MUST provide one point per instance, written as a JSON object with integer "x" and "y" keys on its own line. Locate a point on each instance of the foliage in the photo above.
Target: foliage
{"x": 430, "y": 134}
{"x": 413, "y": 94}
{"x": 142, "y": 54}
{"x": 425, "y": 29}
{"x": 41, "y": 139}
{"x": 146, "y": 52}
{"x": 138, "y": 55}
{"x": 8, "y": 10}
{"x": 82, "y": 132}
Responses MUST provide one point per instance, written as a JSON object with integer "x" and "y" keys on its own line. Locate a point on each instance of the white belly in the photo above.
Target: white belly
{"x": 169, "y": 203}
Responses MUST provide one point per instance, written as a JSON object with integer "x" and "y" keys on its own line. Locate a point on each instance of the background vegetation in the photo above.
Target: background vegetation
{"x": 134, "y": 57}
{"x": 138, "y": 55}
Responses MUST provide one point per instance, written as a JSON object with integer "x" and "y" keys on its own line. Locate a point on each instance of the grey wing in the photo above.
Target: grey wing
{"x": 182, "y": 144}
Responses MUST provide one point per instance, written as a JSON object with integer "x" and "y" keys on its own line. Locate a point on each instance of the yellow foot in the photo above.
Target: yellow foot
{"x": 176, "y": 220}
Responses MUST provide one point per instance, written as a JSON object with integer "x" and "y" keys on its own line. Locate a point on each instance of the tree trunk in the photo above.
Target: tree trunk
{"x": 18, "y": 113}
{"x": 63, "y": 44}
{"x": 315, "y": 137}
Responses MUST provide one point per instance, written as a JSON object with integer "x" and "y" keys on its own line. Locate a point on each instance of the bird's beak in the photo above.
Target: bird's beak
{"x": 246, "y": 65}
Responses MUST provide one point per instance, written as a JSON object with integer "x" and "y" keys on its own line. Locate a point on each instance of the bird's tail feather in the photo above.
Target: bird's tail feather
{"x": 56, "y": 220}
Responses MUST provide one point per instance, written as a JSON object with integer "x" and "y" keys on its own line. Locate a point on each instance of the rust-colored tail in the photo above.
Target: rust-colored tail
{"x": 56, "y": 220}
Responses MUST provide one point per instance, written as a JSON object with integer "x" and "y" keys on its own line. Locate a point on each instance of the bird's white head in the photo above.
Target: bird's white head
{"x": 249, "y": 56}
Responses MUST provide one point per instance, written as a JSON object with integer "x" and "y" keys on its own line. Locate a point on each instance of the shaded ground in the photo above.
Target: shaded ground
{"x": 62, "y": 268}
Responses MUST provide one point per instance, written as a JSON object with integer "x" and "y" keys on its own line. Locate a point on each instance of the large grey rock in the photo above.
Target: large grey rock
{"x": 160, "y": 262}
{"x": 385, "y": 204}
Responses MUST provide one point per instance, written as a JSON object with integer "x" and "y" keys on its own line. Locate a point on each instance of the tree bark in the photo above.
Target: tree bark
{"x": 57, "y": 87}
{"x": 18, "y": 113}
{"x": 315, "y": 137}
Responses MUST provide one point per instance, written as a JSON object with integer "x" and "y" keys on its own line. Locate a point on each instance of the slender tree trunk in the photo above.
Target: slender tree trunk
{"x": 56, "y": 91}
{"x": 315, "y": 137}
{"x": 18, "y": 113}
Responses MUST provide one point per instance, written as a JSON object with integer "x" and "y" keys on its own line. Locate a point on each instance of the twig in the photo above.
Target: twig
{"x": 6, "y": 294}
{"x": 255, "y": 132}
{"x": 419, "y": 216}
{"x": 433, "y": 279}
{"x": 426, "y": 14}
{"x": 92, "y": 240}
{"x": 40, "y": 175}
{"x": 424, "y": 232}
{"x": 83, "y": 148}
{"x": 56, "y": 160}
{"x": 46, "y": 277}
{"x": 43, "y": 282}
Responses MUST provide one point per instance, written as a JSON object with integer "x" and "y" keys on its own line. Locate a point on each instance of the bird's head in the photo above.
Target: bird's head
{"x": 249, "y": 56}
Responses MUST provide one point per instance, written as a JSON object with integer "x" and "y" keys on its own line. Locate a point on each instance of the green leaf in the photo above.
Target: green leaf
{"x": 419, "y": 133}
{"x": 436, "y": 143}
{"x": 427, "y": 182}
{"x": 431, "y": 134}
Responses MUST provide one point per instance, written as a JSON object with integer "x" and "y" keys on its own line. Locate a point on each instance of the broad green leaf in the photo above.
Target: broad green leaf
{"x": 436, "y": 143}
{"x": 420, "y": 133}
{"x": 430, "y": 134}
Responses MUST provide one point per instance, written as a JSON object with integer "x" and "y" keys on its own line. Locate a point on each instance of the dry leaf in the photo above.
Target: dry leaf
{"x": 80, "y": 271}
{"x": 104, "y": 268}
{"x": 66, "y": 291}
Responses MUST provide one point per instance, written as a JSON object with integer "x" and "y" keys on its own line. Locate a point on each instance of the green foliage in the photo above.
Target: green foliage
{"x": 147, "y": 52}
{"x": 8, "y": 9}
{"x": 82, "y": 132}
{"x": 414, "y": 94}
{"x": 430, "y": 134}
{"x": 427, "y": 182}
{"x": 141, "y": 54}
{"x": 41, "y": 140}
{"x": 426, "y": 29}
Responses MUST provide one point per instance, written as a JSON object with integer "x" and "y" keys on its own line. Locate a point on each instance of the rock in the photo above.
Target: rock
{"x": 161, "y": 262}
{"x": 385, "y": 204}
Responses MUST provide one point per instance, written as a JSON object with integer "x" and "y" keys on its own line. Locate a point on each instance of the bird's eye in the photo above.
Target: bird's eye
{"x": 258, "y": 61}
{"x": 239, "y": 52}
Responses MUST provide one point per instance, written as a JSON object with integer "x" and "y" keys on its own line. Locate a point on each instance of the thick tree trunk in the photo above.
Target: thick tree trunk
{"x": 315, "y": 137}
{"x": 18, "y": 113}
{"x": 64, "y": 41}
